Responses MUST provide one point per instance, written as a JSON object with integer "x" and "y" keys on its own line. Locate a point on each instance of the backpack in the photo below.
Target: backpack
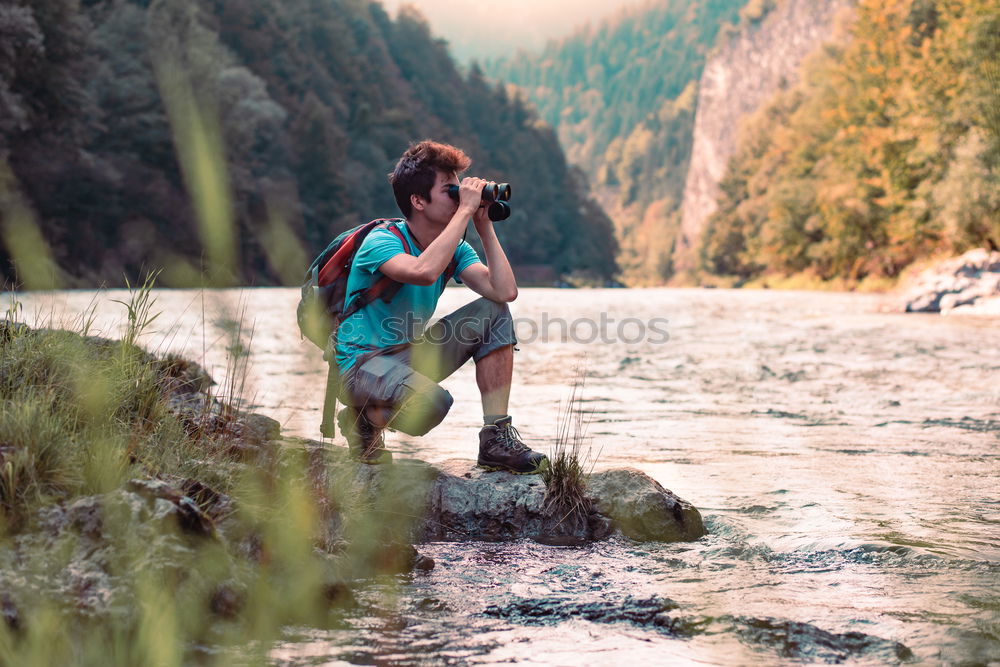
{"x": 321, "y": 307}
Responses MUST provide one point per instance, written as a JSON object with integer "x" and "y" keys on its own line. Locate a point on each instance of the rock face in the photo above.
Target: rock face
{"x": 737, "y": 80}
{"x": 967, "y": 284}
{"x": 456, "y": 500}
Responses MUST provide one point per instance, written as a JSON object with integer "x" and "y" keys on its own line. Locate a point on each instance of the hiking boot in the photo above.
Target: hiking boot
{"x": 365, "y": 441}
{"x": 500, "y": 448}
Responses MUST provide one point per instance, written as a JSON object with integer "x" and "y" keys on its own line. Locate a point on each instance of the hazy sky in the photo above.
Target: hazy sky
{"x": 489, "y": 28}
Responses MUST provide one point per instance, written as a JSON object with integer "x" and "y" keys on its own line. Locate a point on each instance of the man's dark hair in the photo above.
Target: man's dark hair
{"x": 417, "y": 169}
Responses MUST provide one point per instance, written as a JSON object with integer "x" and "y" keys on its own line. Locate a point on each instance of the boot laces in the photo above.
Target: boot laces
{"x": 512, "y": 439}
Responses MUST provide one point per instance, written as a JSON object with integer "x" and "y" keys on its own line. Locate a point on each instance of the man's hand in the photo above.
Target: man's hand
{"x": 470, "y": 194}
{"x": 497, "y": 281}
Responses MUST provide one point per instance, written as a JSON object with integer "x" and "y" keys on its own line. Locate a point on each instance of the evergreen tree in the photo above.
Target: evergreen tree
{"x": 115, "y": 114}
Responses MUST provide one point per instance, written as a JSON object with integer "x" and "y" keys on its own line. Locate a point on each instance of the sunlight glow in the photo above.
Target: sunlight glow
{"x": 479, "y": 30}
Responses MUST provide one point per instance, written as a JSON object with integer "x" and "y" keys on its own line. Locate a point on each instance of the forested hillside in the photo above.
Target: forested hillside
{"x": 135, "y": 131}
{"x": 887, "y": 151}
{"x": 622, "y": 98}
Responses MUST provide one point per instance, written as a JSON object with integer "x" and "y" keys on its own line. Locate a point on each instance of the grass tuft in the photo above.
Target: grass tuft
{"x": 570, "y": 460}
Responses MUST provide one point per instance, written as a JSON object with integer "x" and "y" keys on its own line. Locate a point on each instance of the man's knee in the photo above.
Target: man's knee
{"x": 496, "y": 327}
{"x": 492, "y": 310}
{"x": 421, "y": 408}
{"x": 481, "y": 320}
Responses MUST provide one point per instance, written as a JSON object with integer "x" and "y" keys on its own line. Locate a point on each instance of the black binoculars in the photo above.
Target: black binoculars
{"x": 496, "y": 195}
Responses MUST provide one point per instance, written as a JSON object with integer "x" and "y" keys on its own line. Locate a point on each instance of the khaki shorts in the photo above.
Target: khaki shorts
{"x": 404, "y": 379}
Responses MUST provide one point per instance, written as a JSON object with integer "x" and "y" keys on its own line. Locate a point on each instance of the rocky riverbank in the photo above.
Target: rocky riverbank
{"x": 205, "y": 501}
{"x": 965, "y": 285}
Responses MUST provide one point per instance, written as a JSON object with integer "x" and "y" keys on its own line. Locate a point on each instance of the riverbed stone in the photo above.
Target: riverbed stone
{"x": 642, "y": 509}
{"x": 457, "y": 500}
{"x": 469, "y": 503}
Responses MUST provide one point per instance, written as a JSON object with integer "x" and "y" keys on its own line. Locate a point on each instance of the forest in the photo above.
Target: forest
{"x": 622, "y": 96}
{"x": 228, "y": 140}
{"x": 887, "y": 152}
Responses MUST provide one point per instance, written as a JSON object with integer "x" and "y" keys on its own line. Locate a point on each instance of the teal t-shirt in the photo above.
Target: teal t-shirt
{"x": 381, "y": 324}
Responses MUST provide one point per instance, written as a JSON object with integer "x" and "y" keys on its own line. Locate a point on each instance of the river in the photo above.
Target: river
{"x": 846, "y": 461}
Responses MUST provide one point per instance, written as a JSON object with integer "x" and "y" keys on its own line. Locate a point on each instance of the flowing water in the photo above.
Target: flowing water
{"x": 846, "y": 460}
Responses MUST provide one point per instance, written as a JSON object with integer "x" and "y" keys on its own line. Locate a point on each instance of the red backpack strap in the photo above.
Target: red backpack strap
{"x": 393, "y": 227}
{"x": 337, "y": 262}
{"x": 385, "y": 287}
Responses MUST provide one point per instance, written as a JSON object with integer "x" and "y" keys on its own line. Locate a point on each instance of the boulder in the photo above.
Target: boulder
{"x": 642, "y": 509}
{"x": 962, "y": 281}
{"x": 457, "y": 500}
{"x": 469, "y": 503}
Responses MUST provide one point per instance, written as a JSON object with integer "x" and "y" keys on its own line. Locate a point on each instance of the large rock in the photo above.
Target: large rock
{"x": 958, "y": 283}
{"x": 457, "y": 500}
{"x": 469, "y": 503}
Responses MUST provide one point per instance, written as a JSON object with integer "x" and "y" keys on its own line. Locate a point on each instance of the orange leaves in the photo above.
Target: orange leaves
{"x": 847, "y": 180}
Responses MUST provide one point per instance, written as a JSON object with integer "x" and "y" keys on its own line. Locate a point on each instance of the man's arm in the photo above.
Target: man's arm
{"x": 428, "y": 267}
{"x": 496, "y": 280}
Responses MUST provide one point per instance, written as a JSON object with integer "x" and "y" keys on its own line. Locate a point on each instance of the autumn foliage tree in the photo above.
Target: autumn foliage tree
{"x": 884, "y": 153}
{"x": 621, "y": 96}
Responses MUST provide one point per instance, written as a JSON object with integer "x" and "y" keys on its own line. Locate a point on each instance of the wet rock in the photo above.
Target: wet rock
{"x": 401, "y": 558}
{"x": 470, "y": 503}
{"x": 804, "y": 641}
{"x": 960, "y": 282}
{"x": 423, "y": 563}
{"x": 642, "y": 509}
{"x": 457, "y": 500}
{"x": 401, "y": 490}
{"x": 463, "y": 501}
{"x": 651, "y": 611}
{"x": 339, "y": 594}
{"x": 432, "y": 604}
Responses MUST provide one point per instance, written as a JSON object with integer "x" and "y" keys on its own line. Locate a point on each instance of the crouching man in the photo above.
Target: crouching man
{"x": 390, "y": 365}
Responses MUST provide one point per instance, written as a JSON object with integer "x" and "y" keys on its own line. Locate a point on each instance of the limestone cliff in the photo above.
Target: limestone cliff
{"x": 743, "y": 74}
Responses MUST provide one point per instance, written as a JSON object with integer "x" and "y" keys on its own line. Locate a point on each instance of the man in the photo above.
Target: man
{"x": 390, "y": 365}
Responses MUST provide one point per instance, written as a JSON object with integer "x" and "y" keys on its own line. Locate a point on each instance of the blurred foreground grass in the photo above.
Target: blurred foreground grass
{"x": 142, "y": 522}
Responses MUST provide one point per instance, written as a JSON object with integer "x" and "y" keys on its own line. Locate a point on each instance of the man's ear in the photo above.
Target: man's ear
{"x": 418, "y": 202}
